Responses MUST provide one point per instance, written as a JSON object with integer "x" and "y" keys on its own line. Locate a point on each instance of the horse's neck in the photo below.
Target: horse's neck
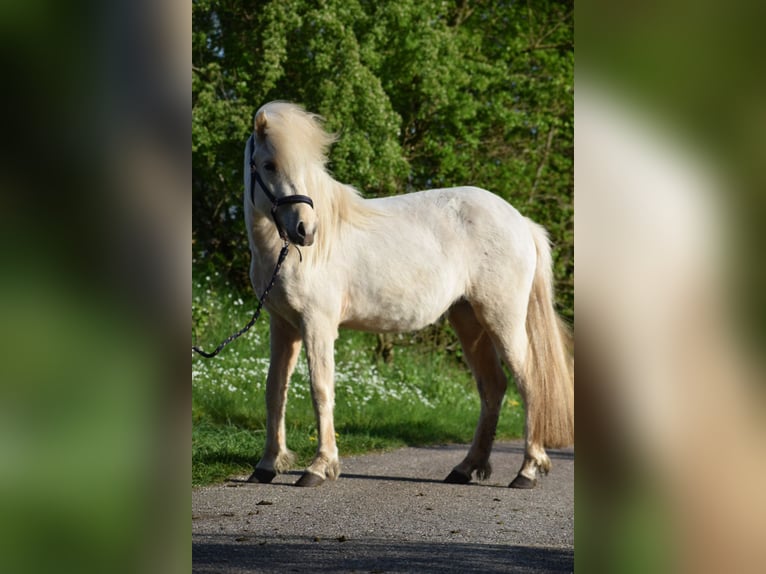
{"x": 266, "y": 241}
{"x": 343, "y": 204}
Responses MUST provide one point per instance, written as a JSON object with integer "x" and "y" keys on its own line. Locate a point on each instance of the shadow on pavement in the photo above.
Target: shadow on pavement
{"x": 259, "y": 554}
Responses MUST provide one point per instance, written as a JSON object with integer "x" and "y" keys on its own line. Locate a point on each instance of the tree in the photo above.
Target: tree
{"x": 423, "y": 93}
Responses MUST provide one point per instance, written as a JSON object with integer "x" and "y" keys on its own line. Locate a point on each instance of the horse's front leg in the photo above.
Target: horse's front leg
{"x": 320, "y": 341}
{"x": 285, "y": 348}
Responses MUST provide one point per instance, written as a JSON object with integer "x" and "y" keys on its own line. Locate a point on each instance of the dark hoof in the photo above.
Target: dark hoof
{"x": 309, "y": 479}
{"x": 522, "y": 481}
{"x": 262, "y": 475}
{"x": 457, "y": 477}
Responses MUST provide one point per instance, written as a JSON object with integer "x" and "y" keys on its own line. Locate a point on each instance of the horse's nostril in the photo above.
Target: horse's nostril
{"x": 301, "y": 229}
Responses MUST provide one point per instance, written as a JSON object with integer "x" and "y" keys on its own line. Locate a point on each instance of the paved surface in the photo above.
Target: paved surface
{"x": 391, "y": 513}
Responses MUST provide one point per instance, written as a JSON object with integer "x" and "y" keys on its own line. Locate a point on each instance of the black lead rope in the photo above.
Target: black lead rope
{"x": 246, "y": 328}
{"x": 276, "y": 202}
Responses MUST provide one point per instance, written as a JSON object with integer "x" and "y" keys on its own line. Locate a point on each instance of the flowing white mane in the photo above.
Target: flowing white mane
{"x": 296, "y": 135}
{"x": 300, "y": 145}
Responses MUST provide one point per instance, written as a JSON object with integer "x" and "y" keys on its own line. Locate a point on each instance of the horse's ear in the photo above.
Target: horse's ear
{"x": 260, "y": 124}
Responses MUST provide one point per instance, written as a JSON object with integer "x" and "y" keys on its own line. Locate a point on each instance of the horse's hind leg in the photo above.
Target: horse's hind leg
{"x": 491, "y": 382}
{"x": 512, "y": 344}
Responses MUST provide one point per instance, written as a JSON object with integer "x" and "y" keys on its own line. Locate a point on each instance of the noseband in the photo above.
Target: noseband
{"x": 276, "y": 202}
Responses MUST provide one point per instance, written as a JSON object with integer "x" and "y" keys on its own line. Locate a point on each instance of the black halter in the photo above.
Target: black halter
{"x": 275, "y": 201}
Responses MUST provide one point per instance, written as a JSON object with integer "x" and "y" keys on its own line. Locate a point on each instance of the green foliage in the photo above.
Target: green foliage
{"x": 424, "y": 93}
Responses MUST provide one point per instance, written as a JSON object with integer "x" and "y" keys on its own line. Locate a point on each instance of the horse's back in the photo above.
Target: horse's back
{"x": 481, "y": 222}
{"x": 499, "y": 242}
{"x": 431, "y": 248}
{"x": 471, "y": 207}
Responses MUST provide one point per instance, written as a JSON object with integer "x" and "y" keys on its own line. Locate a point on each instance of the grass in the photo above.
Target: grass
{"x": 420, "y": 397}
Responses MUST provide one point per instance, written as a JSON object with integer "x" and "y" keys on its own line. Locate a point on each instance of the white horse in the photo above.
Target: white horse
{"x": 398, "y": 264}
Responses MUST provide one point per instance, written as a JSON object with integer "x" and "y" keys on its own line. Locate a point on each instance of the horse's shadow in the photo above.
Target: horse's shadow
{"x": 380, "y": 477}
{"x": 345, "y": 475}
{"x": 518, "y": 449}
{"x": 356, "y": 476}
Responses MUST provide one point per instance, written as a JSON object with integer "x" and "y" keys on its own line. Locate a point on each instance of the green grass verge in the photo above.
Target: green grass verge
{"x": 420, "y": 397}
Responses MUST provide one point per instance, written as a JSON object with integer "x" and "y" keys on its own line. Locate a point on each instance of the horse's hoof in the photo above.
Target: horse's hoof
{"x": 309, "y": 479}
{"x": 457, "y": 477}
{"x": 522, "y": 481}
{"x": 262, "y": 475}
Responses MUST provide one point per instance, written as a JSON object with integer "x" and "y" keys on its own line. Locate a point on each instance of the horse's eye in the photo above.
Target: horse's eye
{"x": 269, "y": 166}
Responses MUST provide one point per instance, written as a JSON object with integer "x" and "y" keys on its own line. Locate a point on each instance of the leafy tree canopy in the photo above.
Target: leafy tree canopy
{"x": 423, "y": 93}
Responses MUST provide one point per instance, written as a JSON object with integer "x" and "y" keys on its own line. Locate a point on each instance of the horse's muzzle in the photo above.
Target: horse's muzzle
{"x": 302, "y": 235}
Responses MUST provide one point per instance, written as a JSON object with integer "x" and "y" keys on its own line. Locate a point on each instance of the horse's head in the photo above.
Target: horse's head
{"x": 281, "y": 162}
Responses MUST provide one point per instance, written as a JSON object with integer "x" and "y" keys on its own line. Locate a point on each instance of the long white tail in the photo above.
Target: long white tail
{"x": 549, "y": 368}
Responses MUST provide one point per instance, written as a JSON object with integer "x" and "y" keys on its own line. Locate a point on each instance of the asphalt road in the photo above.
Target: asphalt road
{"x": 391, "y": 513}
